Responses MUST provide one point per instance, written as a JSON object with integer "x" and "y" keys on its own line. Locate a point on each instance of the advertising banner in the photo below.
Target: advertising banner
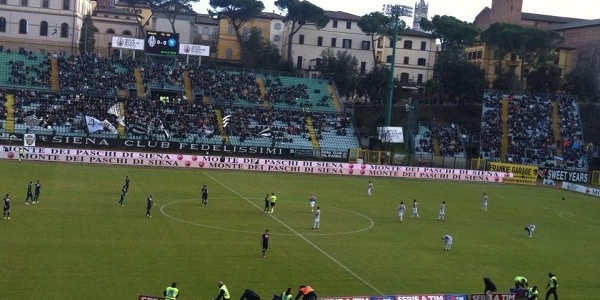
{"x": 390, "y": 134}
{"x": 127, "y": 43}
{"x": 525, "y": 171}
{"x": 580, "y": 189}
{"x": 29, "y": 140}
{"x": 563, "y": 175}
{"x": 421, "y": 297}
{"x": 194, "y": 50}
{"x": 250, "y": 164}
{"x": 495, "y": 296}
{"x": 517, "y": 180}
{"x": 148, "y": 297}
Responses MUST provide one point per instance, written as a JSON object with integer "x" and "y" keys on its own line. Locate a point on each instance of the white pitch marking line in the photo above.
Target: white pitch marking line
{"x": 299, "y": 235}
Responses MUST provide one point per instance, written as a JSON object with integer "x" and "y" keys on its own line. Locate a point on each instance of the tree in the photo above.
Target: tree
{"x": 454, "y": 34}
{"x": 374, "y": 85}
{"x": 507, "y": 80}
{"x": 377, "y": 24}
{"x": 262, "y": 53}
{"x": 464, "y": 82}
{"x": 582, "y": 81}
{"x": 544, "y": 79}
{"x": 87, "y": 39}
{"x": 238, "y": 13}
{"x": 339, "y": 66}
{"x": 298, "y": 14}
{"x": 170, "y": 8}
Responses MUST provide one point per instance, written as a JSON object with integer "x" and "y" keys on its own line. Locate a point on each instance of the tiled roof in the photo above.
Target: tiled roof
{"x": 548, "y": 18}
{"x": 340, "y": 15}
{"x": 577, "y": 24}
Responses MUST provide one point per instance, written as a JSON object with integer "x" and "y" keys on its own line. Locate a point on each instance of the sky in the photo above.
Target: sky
{"x": 465, "y": 10}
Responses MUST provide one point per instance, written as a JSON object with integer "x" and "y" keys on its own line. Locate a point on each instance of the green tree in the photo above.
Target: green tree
{"x": 339, "y": 66}
{"x": 464, "y": 81}
{"x": 582, "y": 81}
{"x": 544, "y": 79}
{"x": 238, "y": 13}
{"x": 171, "y": 9}
{"x": 377, "y": 24}
{"x": 374, "y": 85}
{"x": 261, "y": 53}
{"x": 87, "y": 39}
{"x": 507, "y": 80}
{"x": 298, "y": 14}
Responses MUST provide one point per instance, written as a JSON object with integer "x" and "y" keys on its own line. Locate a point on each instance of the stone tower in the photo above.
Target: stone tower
{"x": 420, "y": 12}
{"x": 506, "y": 11}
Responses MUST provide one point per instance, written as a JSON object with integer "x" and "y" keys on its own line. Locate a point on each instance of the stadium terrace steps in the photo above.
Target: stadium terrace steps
{"x": 436, "y": 145}
{"x": 504, "y": 142}
{"x": 123, "y": 94}
{"x": 336, "y": 101}
{"x": 187, "y": 82}
{"x": 206, "y": 99}
{"x": 263, "y": 91}
{"x": 121, "y": 128}
{"x": 224, "y": 135}
{"x": 313, "y": 134}
{"x": 139, "y": 80}
{"x": 556, "y": 129}
{"x": 10, "y": 113}
{"x": 55, "y": 79}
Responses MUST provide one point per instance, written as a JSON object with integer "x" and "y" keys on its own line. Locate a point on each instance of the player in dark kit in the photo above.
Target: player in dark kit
{"x": 265, "y": 241}
{"x": 204, "y": 195}
{"x": 267, "y": 203}
{"x": 149, "y": 204}
{"x": 6, "y": 206}
{"x": 36, "y": 196}
{"x": 123, "y": 194}
{"x": 29, "y": 194}
{"x": 127, "y": 180}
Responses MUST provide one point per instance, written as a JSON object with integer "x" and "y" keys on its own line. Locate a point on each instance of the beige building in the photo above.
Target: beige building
{"x": 113, "y": 21}
{"x": 42, "y": 25}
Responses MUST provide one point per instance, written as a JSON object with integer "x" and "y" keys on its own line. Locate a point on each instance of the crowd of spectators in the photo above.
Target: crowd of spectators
{"x": 449, "y": 139}
{"x": 291, "y": 95}
{"x": 3, "y": 109}
{"x": 226, "y": 88}
{"x": 331, "y": 122}
{"x": 34, "y": 74}
{"x": 93, "y": 74}
{"x": 531, "y": 130}
{"x": 159, "y": 74}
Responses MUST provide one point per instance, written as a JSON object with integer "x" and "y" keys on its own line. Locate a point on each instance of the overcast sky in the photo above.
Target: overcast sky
{"x": 465, "y": 10}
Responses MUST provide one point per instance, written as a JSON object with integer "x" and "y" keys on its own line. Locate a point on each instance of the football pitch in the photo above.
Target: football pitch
{"x": 77, "y": 243}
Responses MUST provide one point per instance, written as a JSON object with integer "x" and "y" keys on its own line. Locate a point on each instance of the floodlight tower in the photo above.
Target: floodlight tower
{"x": 394, "y": 11}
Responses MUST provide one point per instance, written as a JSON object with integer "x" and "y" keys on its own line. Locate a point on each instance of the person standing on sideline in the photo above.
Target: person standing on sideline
{"x": 370, "y": 188}
{"x": 149, "y": 203}
{"x": 442, "y": 214}
{"x": 447, "y": 241}
{"x": 521, "y": 283}
{"x": 415, "y": 209}
{"x": 249, "y": 295}
{"x": 532, "y": 293}
{"x": 484, "y": 202}
{"x": 204, "y": 195}
{"x": 29, "y": 193}
{"x": 267, "y": 204}
{"x": 171, "y": 292}
{"x": 265, "y": 241}
{"x": 317, "y": 220}
{"x": 401, "y": 210}
{"x": 127, "y": 180}
{"x": 530, "y": 228}
{"x": 312, "y": 200}
{"x": 287, "y": 295}
{"x": 306, "y": 292}
{"x": 272, "y": 201}
{"x": 223, "y": 292}
{"x": 123, "y": 194}
{"x": 489, "y": 289}
{"x": 21, "y": 153}
{"x": 36, "y": 196}
{"x": 6, "y": 207}
{"x": 552, "y": 286}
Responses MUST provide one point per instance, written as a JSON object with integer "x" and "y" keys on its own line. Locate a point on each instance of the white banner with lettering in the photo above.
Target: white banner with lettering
{"x": 249, "y": 164}
{"x": 127, "y": 43}
{"x": 195, "y": 50}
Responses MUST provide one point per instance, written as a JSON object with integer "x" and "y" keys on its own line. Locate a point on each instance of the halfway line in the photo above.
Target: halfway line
{"x": 298, "y": 234}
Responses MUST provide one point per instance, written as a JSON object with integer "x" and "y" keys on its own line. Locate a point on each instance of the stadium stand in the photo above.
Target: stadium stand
{"x": 24, "y": 69}
{"x": 440, "y": 140}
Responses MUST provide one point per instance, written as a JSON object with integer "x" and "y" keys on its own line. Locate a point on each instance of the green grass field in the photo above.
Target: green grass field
{"x": 79, "y": 244}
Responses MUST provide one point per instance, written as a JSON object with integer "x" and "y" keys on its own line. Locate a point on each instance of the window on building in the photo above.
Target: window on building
{"x": 229, "y": 53}
{"x": 363, "y": 68}
{"x": 392, "y": 43}
{"x": 420, "y": 78}
{"x": 406, "y": 60}
{"x": 334, "y": 23}
{"x": 110, "y": 31}
{"x": 215, "y": 31}
{"x": 403, "y": 77}
{"x": 421, "y": 61}
{"x": 423, "y": 46}
{"x": 2, "y": 1}
{"x": 44, "y": 28}
{"x": 333, "y": 42}
{"x": 299, "y": 62}
{"x": 320, "y": 41}
{"x": 277, "y": 26}
{"x": 388, "y": 59}
{"x": 380, "y": 43}
{"x": 347, "y": 43}
{"x": 230, "y": 30}
{"x": 64, "y": 30}
{"x": 205, "y": 30}
{"x": 407, "y": 44}
{"x": 365, "y": 45}
{"x": 66, "y": 4}
{"x": 2, "y": 24}
{"x": 116, "y": 17}
{"x": 126, "y": 32}
{"x": 23, "y": 26}
{"x": 45, "y": 3}
{"x": 276, "y": 38}
{"x": 479, "y": 54}
{"x": 469, "y": 55}
{"x": 301, "y": 39}
{"x": 348, "y": 25}
{"x": 245, "y": 33}
{"x": 24, "y": 2}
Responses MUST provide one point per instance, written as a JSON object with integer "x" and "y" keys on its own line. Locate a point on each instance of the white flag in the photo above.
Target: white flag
{"x": 226, "y": 120}
{"x": 31, "y": 121}
{"x": 93, "y": 124}
{"x": 110, "y": 126}
{"x": 116, "y": 110}
{"x": 265, "y": 133}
